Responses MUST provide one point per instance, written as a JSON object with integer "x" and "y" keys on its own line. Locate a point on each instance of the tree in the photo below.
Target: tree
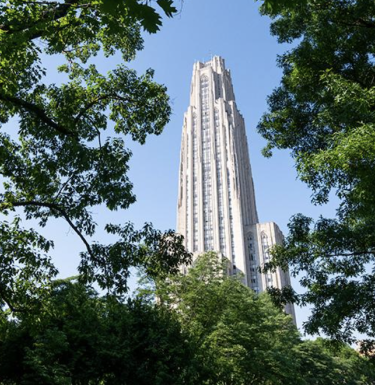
{"x": 55, "y": 159}
{"x": 84, "y": 339}
{"x": 81, "y": 338}
{"x": 348, "y": 364}
{"x": 323, "y": 111}
{"x": 322, "y": 362}
{"x": 240, "y": 338}
{"x": 274, "y": 6}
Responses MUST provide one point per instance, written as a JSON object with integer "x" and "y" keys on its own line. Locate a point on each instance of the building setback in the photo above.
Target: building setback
{"x": 216, "y": 201}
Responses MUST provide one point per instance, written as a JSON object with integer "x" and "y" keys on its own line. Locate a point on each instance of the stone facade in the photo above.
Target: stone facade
{"x": 216, "y": 201}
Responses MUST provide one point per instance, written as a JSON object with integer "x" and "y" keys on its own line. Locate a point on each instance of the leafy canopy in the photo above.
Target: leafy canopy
{"x": 323, "y": 111}
{"x": 213, "y": 331}
{"x": 62, "y": 144}
{"x": 85, "y": 339}
{"x": 272, "y": 7}
{"x": 240, "y": 337}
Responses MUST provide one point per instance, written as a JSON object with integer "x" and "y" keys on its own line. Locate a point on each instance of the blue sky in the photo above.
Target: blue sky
{"x": 235, "y": 31}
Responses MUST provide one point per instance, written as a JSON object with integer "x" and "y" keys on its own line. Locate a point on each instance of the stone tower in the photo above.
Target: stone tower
{"x": 216, "y": 201}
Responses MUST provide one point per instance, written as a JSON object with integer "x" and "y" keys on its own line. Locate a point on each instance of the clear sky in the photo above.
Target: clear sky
{"x": 235, "y": 31}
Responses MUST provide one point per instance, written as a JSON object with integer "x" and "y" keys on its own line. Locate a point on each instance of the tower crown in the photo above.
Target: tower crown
{"x": 216, "y": 73}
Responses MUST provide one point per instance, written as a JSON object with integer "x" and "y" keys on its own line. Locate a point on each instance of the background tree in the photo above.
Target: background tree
{"x": 217, "y": 332}
{"x": 323, "y": 111}
{"x": 240, "y": 337}
{"x": 323, "y": 362}
{"x": 274, "y": 6}
{"x": 83, "y": 339}
{"x": 55, "y": 159}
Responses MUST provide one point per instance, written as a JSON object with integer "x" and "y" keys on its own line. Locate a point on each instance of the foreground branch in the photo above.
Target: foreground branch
{"x": 62, "y": 212}
{"x": 6, "y": 300}
{"x": 55, "y": 13}
{"x": 38, "y": 112}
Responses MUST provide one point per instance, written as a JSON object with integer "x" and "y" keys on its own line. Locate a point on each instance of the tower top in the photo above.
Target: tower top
{"x": 217, "y": 63}
{"x": 218, "y": 76}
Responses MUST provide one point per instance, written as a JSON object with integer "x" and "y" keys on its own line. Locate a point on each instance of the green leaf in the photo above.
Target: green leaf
{"x": 167, "y": 6}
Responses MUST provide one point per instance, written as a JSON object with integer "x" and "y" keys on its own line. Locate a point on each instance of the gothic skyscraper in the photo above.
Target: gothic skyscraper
{"x": 216, "y": 201}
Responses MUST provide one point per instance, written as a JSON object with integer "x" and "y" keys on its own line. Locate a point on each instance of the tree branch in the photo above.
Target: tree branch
{"x": 56, "y": 12}
{"x": 63, "y": 187}
{"x": 55, "y": 207}
{"x": 89, "y": 105}
{"x": 38, "y": 112}
{"x": 97, "y": 100}
{"x": 358, "y": 23}
{"x": 5, "y": 298}
{"x": 354, "y": 253}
